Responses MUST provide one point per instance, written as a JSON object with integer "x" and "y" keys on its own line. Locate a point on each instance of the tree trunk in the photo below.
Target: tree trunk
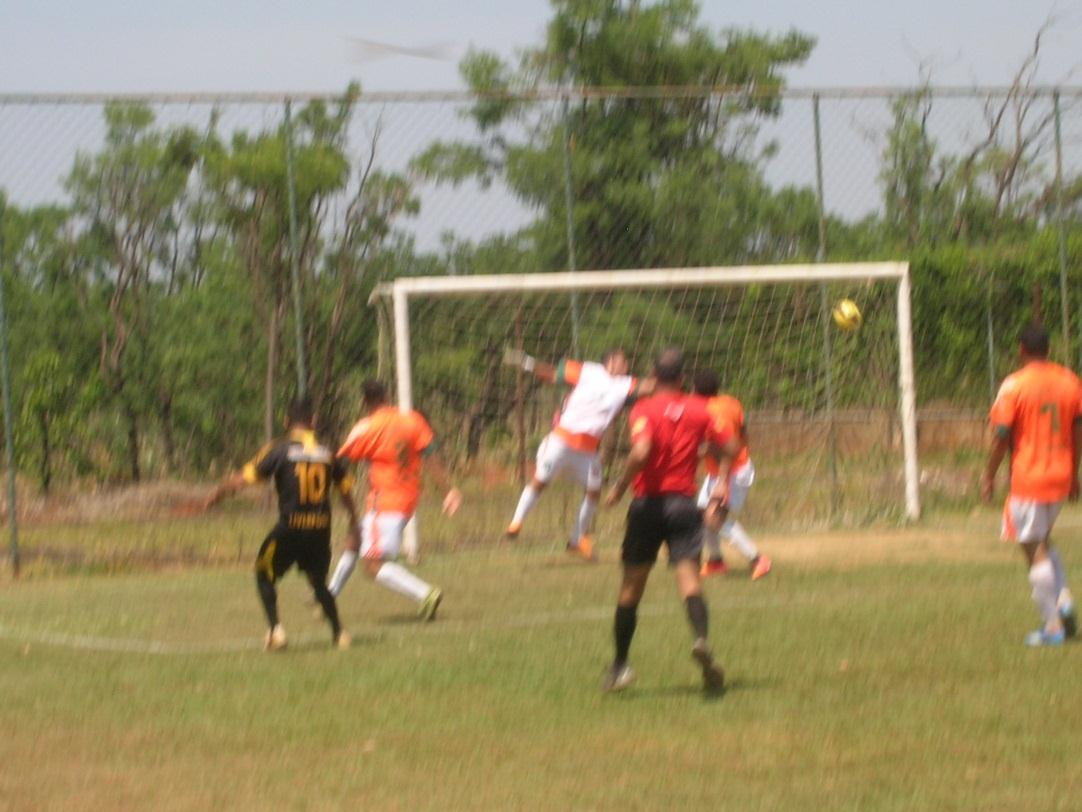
{"x": 272, "y": 364}
{"x": 133, "y": 442}
{"x": 165, "y": 414}
{"x": 46, "y": 453}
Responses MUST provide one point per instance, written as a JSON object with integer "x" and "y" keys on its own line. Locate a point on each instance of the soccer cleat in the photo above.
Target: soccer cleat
{"x": 275, "y": 639}
{"x": 617, "y": 678}
{"x": 714, "y": 566}
{"x": 713, "y": 676}
{"x": 760, "y": 568}
{"x": 343, "y": 641}
{"x": 1069, "y": 617}
{"x": 513, "y": 530}
{"x": 429, "y": 605}
{"x": 584, "y": 549}
{"x": 1040, "y": 638}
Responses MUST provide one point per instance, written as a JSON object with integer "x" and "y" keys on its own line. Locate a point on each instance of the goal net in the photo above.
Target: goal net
{"x": 831, "y": 414}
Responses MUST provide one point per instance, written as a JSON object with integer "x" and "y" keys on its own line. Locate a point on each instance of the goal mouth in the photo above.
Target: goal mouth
{"x": 831, "y": 413}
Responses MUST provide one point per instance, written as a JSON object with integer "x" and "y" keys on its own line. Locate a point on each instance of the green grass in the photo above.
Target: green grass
{"x": 869, "y": 671}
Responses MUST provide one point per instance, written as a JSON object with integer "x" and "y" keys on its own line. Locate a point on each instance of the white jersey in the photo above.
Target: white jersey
{"x": 596, "y": 399}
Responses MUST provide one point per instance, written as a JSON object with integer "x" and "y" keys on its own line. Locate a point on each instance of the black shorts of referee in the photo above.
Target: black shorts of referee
{"x": 672, "y": 519}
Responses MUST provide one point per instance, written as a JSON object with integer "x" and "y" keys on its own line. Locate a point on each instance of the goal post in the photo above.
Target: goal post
{"x": 761, "y": 326}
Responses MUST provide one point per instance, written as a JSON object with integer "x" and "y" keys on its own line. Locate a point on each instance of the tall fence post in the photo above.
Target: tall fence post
{"x": 824, "y": 305}
{"x": 569, "y": 207}
{"x": 294, "y": 253}
{"x": 1065, "y": 310}
{"x": 9, "y": 433}
{"x": 990, "y": 334}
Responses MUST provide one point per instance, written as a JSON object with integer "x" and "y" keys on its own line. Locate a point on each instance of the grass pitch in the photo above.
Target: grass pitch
{"x": 880, "y": 669}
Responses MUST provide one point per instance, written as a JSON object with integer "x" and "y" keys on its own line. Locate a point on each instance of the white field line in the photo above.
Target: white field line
{"x": 115, "y": 645}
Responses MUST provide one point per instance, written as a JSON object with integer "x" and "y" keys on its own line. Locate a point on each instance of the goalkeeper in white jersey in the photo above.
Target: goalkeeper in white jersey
{"x": 572, "y": 447}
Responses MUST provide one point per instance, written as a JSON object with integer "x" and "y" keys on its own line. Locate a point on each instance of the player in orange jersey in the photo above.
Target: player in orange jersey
{"x": 1037, "y": 417}
{"x": 394, "y": 444}
{"x": 741, "y": 477}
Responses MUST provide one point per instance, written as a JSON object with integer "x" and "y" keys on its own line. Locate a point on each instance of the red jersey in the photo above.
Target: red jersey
{"x": 676, "y": 425}
{"x": 1036, "y": 408}
{"x": 392, "y": 442}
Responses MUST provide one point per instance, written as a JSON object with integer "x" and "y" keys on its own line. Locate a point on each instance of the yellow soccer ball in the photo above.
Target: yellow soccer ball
{"x": 847, "y": 315}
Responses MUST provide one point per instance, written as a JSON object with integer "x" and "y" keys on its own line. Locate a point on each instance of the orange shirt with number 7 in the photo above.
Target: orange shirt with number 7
{"x": 1036, "y": 409}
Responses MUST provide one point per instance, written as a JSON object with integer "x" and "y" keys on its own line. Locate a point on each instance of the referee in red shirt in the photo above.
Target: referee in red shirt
{"x": 667, "y": 431}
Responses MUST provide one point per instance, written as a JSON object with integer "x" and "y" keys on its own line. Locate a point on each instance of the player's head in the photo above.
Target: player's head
{"x": 1033, "y": 343}
{"x": 615, "y": 361}
{"x": 669, "y": 368}
{"x": 375, "y": 394}
{"x": 706, "y": 383}
{"x": 299, "y": 412}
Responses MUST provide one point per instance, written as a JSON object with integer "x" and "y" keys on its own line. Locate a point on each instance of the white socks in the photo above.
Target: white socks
{"x": 346, "y": 563}
{"x": 525, "y": 504}
{"x": 1042, "y": 577}
{"x": 1057, "y": 566}
{"x": 399, "y": 579}
{"x": 736, "y": 534}
{"x": 585, "y": 521}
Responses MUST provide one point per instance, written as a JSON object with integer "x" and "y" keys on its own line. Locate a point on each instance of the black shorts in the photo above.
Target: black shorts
{"x": 672, "y": 519}
{"x": 310, "y": 550}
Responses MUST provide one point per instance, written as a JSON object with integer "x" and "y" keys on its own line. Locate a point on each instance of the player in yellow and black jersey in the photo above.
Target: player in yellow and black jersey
{"x": 304, "y": 472}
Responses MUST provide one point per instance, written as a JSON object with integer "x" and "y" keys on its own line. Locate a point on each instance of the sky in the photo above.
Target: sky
{"x": 136, "y": 46}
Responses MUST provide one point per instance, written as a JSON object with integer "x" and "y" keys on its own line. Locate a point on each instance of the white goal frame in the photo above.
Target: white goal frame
{"x": 400, "y": 291}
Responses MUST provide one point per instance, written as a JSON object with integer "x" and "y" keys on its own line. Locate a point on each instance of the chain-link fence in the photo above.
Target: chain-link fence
{"x": 138, "y": 217}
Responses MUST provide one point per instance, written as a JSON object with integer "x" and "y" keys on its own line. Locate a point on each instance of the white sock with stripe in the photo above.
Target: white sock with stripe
{"x": 346, "y": 562}
{"x": 525, "y": 504}
{"x": 399, "y": 579}
{"x": 1042, "y": 577}
{"x": 585, "y": 521}
{"x": 736, "y": 534}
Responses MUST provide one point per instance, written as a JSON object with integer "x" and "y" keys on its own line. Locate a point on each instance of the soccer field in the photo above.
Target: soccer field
{"x": 878, "y": 669}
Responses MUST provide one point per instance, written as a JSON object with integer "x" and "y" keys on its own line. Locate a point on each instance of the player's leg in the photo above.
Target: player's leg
{"x": 315, "y": 563}
{"x": 586, "y": 468}
{"x": 547, "y": 460}
{"x": 1029, "y": 523}
{"x": 380, "y": 546}
{"x": 715, "y": 561}
{"x": 1064, "y": 598}
{"x": 733, "y": 531}
{"x": 347, "y": 561}
{"x": 642, "y": 540}
{"x": 683, "y": 531}
{"x": 271, "y": 563}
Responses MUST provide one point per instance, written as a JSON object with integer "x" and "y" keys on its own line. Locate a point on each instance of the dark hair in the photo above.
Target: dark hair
{"x": 374, "y": 391}
{"x": 1034, "y": 340}
{"x": 611, "y": 353}
{"x": 706, "y": 382}
{"x": 669, "y": 366}
{"x": 300, "y": 410}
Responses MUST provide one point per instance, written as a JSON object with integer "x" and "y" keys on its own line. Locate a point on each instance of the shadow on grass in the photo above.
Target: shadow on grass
{"x": 684, "y": 691}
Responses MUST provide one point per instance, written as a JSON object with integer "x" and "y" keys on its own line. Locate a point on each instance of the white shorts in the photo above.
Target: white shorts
{"x": 381, "y": 535}
{"x": 740, "y": 482}
{"x": 555, "y": 457}
{"x": 1026, "y": 520}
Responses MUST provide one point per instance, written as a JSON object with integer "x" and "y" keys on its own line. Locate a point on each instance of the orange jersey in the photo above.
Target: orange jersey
{"x": 392, "y": 442}
{"x": 725, "y": 409}
{"x": 1036, "y": 408}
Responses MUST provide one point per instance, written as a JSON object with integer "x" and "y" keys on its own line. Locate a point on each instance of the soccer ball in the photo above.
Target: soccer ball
{"x": 847, "y": 315}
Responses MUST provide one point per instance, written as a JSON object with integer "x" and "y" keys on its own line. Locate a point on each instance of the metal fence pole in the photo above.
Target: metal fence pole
{"x": 569, "y": 207}
{"x": 1062, "y": 228}
{"x": 294, "y": 254}
{"x": 9, "y": 433}
{"x": 824, "y": 305}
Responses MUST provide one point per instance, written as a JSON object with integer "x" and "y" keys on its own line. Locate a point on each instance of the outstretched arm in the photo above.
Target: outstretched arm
{"x": 227, "y": 488}
{"x": 529, "y": 364}
{"x": 435, "y": 465}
